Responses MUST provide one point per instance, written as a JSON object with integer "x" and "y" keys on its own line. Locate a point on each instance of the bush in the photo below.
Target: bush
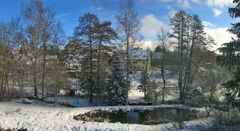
{"x": 226, "y": 120}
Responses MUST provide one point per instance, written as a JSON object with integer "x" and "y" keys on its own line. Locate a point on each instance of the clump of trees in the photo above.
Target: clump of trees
{"x": 94, "y": 36}
{"x": 191, "y": 42}
{"x": 30, "y": 48}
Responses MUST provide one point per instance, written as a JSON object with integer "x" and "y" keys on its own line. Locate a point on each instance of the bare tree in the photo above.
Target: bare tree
{"x": 42, "y": 28}
{"x": 18, "y": 44}
{"x": 32, "y": 17}
{"x": 164, "y": 44}
{"x": 6, "y": 60}
{"x": 129, "y": 26}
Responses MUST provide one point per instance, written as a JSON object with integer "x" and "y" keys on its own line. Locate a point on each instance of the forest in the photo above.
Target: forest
{"x": 103, "y": 78}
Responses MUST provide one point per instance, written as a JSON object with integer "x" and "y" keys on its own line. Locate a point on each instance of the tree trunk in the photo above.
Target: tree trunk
{"x": 35, "y": 80}
{"x": 128, "y": 59}
{"x": 163, "y": 92}
{"x": 43, "y": 67}
{"x": 180, "y": 79}
{"x": 91, "y": 97}
{"x": 91, "y": 73}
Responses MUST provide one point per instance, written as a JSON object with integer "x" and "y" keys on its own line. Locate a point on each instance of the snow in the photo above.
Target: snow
{"x": 70, "y": 100}
{"x": 37, "y": 116}
{"x": 134, "y": 94}
{"x": 40, "y": 116}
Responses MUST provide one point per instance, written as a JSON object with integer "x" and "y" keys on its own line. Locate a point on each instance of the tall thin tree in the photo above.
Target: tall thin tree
{"x": 129, "y": 26}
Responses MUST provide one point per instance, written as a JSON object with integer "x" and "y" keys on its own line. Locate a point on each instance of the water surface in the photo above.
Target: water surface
{"x": 146, "y": 117}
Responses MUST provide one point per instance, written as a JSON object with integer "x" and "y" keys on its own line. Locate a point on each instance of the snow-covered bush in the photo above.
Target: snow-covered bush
{"x": 226, "y": 120}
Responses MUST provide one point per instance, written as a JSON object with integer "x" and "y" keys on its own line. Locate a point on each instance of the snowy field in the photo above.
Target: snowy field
{"x": 40, "y": 116}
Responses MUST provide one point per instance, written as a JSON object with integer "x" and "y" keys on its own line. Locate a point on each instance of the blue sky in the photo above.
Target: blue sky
{"x": 154, "y": 14}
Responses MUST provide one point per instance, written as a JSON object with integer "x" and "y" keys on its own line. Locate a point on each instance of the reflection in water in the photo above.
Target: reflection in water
{"x": 146, "y": 117}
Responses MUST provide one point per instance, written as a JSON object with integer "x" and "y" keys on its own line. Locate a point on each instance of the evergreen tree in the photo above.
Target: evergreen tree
{"x": 118, "y": 85}
{"x": 230, "y": 56}
{"x": 180, "y": 26}
{"x": 88, "y": 76}
{"x": 153, "y": 91}
{"x": 105, "y": 35}
{"x": 86, "y": 34}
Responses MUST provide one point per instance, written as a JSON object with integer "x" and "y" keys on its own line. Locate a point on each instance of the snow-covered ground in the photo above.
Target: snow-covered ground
{"x": 71, "y": 101}
{"x": 40, "y": 116}
{"x": 135, "y": 95}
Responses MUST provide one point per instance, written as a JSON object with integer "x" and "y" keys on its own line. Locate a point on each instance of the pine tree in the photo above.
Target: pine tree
{"x": 180, "y": 26}
{"x": 105, "y": 35}
{"x": 86, "y": 34}
{"x": 118, "y": 85}
{"x": 88, "y": 76}
{"x": 230, "y": 56}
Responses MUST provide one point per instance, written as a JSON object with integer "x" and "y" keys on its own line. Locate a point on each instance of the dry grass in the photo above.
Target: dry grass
{"x": 18, "y": 110}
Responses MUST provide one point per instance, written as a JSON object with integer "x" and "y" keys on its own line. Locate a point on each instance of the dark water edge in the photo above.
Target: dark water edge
{"x": 13, "y": 129}
{"x": 145, "y": 117}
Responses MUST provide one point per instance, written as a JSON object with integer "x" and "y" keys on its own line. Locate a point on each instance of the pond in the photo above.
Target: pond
{"x": 145, "y": 117}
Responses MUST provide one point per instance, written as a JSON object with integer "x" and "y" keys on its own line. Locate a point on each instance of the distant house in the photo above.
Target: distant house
{"x": 139, "y": 54}
{"x": 139, "y": 57}
{"x": 51, "y": 57}
{"x": 73, "y": 62}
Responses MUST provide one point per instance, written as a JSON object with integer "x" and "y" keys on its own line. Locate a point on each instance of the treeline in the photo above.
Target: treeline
{"x": 32, "y": 54}
{"x": 35, "y": 57}
{"x": 192, "y": 57}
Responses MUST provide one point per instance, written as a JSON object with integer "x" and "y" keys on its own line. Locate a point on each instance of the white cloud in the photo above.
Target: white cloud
{"x": 172, "y": 12}
{"x": 208, "y": 24}
{"x": 148, "y": 44}
{"x": 220, "y": 35}
{"x": 184, "y": 3}
{"x": 151, "y": 25}
{"x": 216, "y": 12}
{"x": 219, "y": 3}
